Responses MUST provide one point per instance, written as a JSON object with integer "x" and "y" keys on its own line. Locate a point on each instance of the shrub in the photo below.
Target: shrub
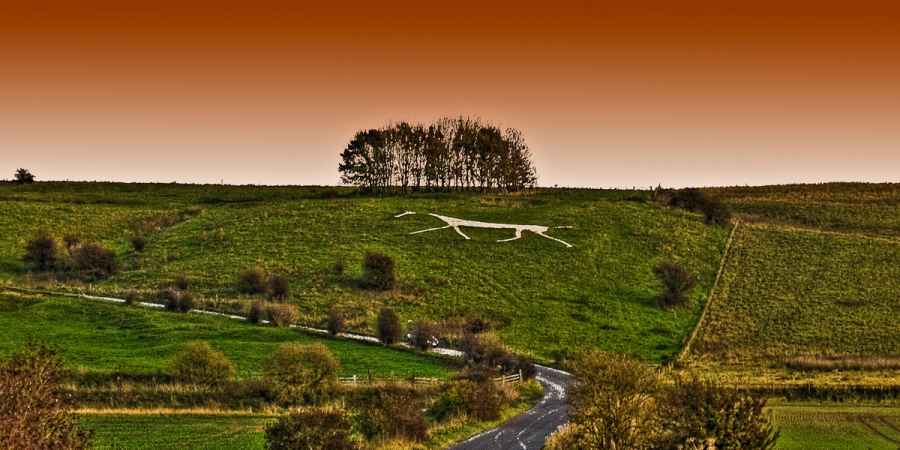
{"x": 392, "y": 412}
{"x": 424, "y": 335}
{"x": 252, "y": 281}
{"x": 41, "y": 251}
{"x": 480, "y": 399}
{"x": 34, "y": 411}
{"x": 185, "y": 302}
{"x": 94, "y": 262}
{"x": 485, "y": 350}
{"x": 677, "y": 282}
{"x": 176, "y": 301}
{"x": 378, "y": 272}
{"x": 697, "y": 410}
{"x": 138, "y": 243}
{"x": 612, "y": 403}
{"x": 131, "y": 297}
{"x": 716, "y": 213}
{"x": 24, "y": 176}
{"x": 279, "y": 287}
{"x": 692, "y": 199}
{"x": 282, "y": 315}
{"x": 320, "y": 428}
{"x": 257, "y": 312}
{"x": 389, "y": 329}
{"x": 302, "y": 372}
{"x": 182, "y": 283}
{"x": 476, "y": 325}
{"x": 199, "y": 363}
{"x": 335, "y": 322}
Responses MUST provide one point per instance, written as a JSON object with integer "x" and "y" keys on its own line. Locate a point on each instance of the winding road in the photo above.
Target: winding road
{"x": 528, "y": 430}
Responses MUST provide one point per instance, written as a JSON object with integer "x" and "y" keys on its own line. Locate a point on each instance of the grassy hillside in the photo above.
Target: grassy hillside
{"x": 837, "y": 426}
{"x": 544, "y": 296}
{"x": 96, "y": 336}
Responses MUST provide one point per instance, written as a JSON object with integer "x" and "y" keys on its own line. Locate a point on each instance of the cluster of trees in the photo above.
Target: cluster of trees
{"x": 89, "y": 261}
{"x": 460, "y": 153}
{"x": 692, "y": 199}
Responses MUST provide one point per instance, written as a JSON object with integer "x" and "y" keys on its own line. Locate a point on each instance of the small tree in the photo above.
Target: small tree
{"x": 94, "y": 261}
{"x": 302, "y": 372}
{"x": 335, "y": 322}
{"x": 481, "y": 399}
{"x": 24, "y": 176}
{"x": 393, "y": 411}
{"x": 41, "y": 251}
{"x": 257, "y": 312}
{"x": 199, "y": 363}
{"x": 34, "y": 411}
{"x": 279, "y": 287}
{"x": 320, "y": 428}
{"x": 378, "y": 272}
{"x": 677, "y": 282}
{"x": 252, "y": 281}
{"x": 389, "y": 330}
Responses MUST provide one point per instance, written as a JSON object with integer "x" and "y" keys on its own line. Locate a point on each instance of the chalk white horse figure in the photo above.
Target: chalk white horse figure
{"x": 453, "y": 222}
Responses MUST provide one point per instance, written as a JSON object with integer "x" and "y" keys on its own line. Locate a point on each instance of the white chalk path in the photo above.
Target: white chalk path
{"x": 456, "y": 224}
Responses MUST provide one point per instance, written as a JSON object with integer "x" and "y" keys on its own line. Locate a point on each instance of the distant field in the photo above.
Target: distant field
{"x": 837, "y": 427}
{"x": 788, "y": 293}
{"x": 105, "y": 337}
{"x": 545, "y": 297}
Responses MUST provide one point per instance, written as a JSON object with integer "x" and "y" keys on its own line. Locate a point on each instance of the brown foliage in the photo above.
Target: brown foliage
{"x": 319, "y": 428}
{"x": 199, "y": 363}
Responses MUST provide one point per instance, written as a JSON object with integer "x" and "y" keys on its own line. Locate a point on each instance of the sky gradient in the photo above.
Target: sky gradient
{"x": 659, "y": 92}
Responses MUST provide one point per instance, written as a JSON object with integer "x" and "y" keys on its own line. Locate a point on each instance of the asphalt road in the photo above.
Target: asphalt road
{"x": 528, "y": 430}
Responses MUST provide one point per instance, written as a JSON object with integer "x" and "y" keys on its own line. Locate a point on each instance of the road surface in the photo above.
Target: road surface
{"x": 528, "y": 430}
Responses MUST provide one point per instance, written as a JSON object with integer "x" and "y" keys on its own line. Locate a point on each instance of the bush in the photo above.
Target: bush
{"x": 692, "y": 199}
{"x": 282, "y": 315}
{"x": 335, "y": 322}
{"x": 279, "y": 287}
{"x": 424, "y": 335}
{"x": 257, "y": 312}
{"x": 378, "y": 272}
{"x": 181, "y": 283}
{"x": 132, "y": 297}
{"x": 677, "y": 282}
{"x": 252, "y": 281}
{"x": 302, "y": 372}
{"x": 93, "y": 261}
{"x": 716, "y": 213}
{"x": 199, "y": 363}
{"x": 321, "y": 428}
{"x": 176, "y": 301}
{"x": 393, "y": 412}
{"x": 34, "y": 411}
{"x": 480, "y": 399}
{"x": 696, "y": 410}
{"x": 389, "y": 330}
{"x": 484, "y": 350}
{"x": 41, "y": 251}
{"x": 138, "y": 243}
{"x": 185, "y": 302}
{"x": 23, "y": 176}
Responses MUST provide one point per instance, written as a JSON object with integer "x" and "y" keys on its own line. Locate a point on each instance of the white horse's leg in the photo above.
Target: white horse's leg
{"x": 555, "y": 239}
{"x": 430, "y": 229}
{"x": 460, "y": 232}
{"x": 517, "y": 236}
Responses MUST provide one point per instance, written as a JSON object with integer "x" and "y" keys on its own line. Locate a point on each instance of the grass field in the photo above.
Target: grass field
{"x": 837, "y": 427}
{"x": 102, "y": 337}
{"x": 146, "y": 432}
{"x": 546, "y": 297}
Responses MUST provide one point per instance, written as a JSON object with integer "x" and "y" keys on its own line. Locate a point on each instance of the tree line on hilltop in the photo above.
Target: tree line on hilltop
{"x": 448, "y": 154}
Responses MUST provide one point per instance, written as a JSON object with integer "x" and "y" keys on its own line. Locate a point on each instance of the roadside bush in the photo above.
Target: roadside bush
{"x": 185, "y": 302}
{"x": 199, "y": 363}
{"x": 697, "y": 410}
{"x": 378, "y": 272}
{"x": 138, "y": 243}
{"x": 480, "y": 399}
{"x": 282, "y": 314}
{"x": 335, "y": 323}
{"x": 34, "y": 411}
{"x": 252, "y": 281}
{"x": 389, "y": 330}
{"x": 485, "y": 350}
{"x": 93, "y": 261}
{"x": 41, "y": 251}
{"x": 424, "y": 335}
{"x": 393, "y": 412}
{"x": 176, "y": 301}
{"x": 677, "y": 282}
{"x": 320, "y": 428}
{"x": 257, "y": 312}
{"x": 279, "y": 287}
{"x": 302, "y": 372}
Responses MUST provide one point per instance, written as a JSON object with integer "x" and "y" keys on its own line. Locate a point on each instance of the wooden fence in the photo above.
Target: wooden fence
{"x": 356, "y": 380}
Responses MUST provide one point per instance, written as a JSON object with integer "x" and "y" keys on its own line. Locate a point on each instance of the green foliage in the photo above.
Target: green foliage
{"x": 389, "y": 329}
{"x": 199, "y": 363}
{"x": 378, "y": 272}
{"x": 320, "y": 428}
{"x": 252, "y": 281}
{"x": 834, "y": 425}
{"x": 34, "y": 412}
{"x": 302, "y": 372}
{"x": 41, "y": 251}
{"x": 676, "y": 281}
{"x": 480, "y": 399}
{"x": 393, "y": 412}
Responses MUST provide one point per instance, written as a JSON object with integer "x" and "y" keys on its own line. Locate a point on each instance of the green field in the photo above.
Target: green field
{"x": 544, "y": 296}
{"x": 787, "y": 292}
{"x": 146, "y": 432}
{"x": 102, "y": 337}
{"x": 837, "y": 427}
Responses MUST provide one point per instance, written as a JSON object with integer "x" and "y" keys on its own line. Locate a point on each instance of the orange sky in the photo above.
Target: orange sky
{"x": 678, "y": 93}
